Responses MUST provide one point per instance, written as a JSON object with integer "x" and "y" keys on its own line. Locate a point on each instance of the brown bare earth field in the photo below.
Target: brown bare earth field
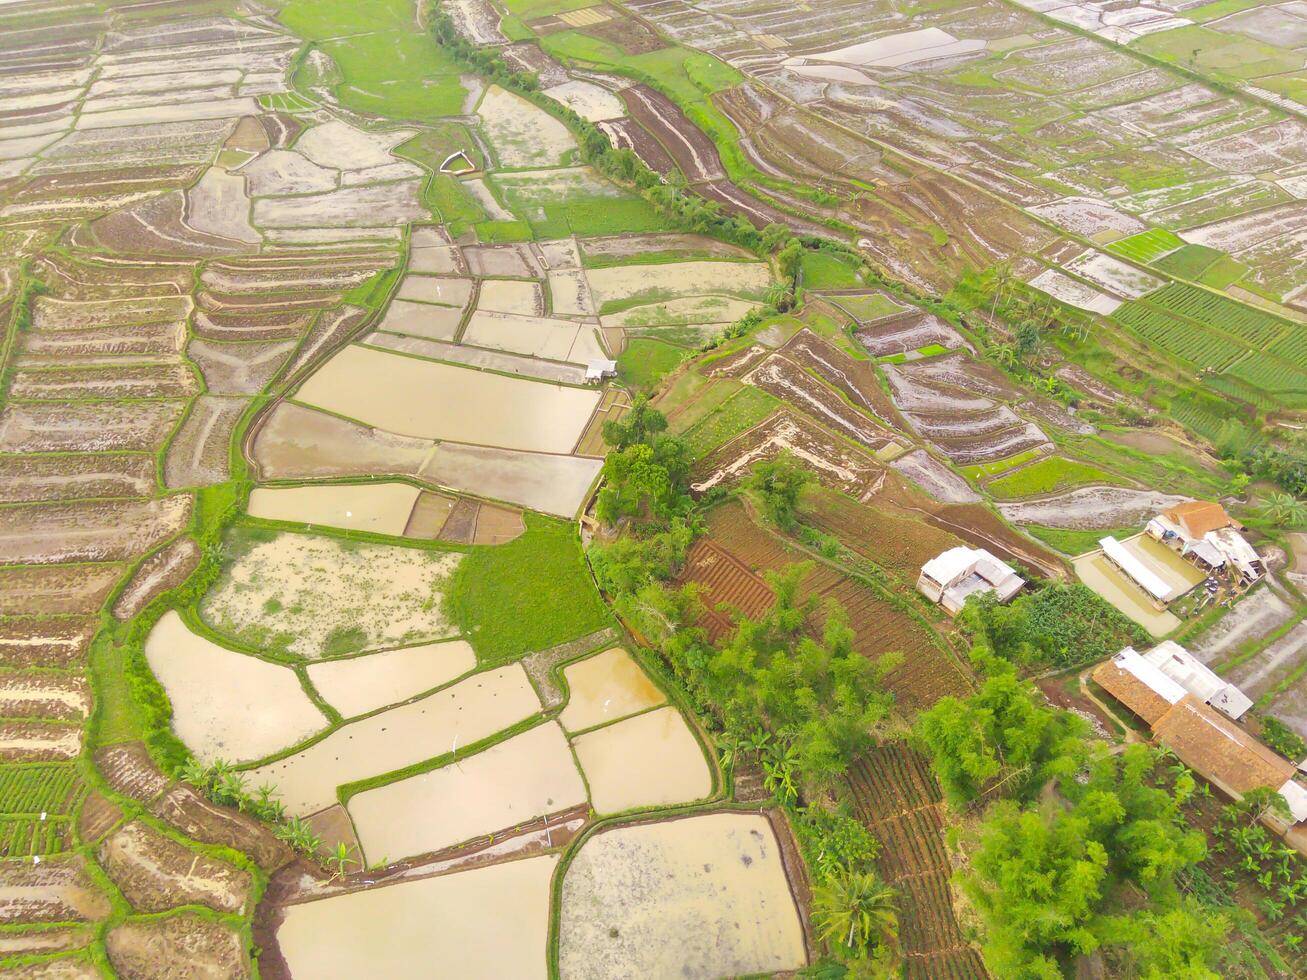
{"x": 150, "y": 950}
{"x": 128, "y": 769}
{"x": 181, "y": 807}
{"x": 165, "y": 569}
{"x": 156, "y": 873}
{"x": 102, "y": 530}
{"x": 48, "y": 478}
{"x": 42, "y": 641}
{"x": 56, "y": 590}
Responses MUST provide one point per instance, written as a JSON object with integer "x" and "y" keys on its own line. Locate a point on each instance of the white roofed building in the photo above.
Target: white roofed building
{"x": 1198, "y": 679}
{"x": 960, "y": 572}
{"x": 1158, "y": 589}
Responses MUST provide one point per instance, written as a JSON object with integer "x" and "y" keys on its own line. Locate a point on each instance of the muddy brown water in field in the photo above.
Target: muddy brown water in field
{"x": 651, "y": 759}
{"x": 699, "y": 897}
{"x": 605, "y": 687}
{"x": 486, "y": 922}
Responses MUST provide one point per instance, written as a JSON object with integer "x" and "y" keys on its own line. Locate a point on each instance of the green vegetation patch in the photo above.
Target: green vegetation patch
{"x": 397, "y": 74}
{"x": 1224, "y": 272}
{"x": 740, "y": 412}
{"x": 981, "y": 470}
{"x": 447, "y": 197}
{"x": 595, "y": 218}
{"x": 645, "y": 362}
{"x": 319, "y": 19}
{"x": 825, "y": 270}
{"x": 1071, "y": 542}
{"x": 868, "y": 307}
{"x": 1048, "y": 475}
{"x": 1147, "y": 246}
{"x": 530, "y": 9}
{"x": 529, "y": 594}
{"x": 43, "y": 787}
{"x": 504, "y": 231}
{"x": 1189, "y": 262}
{"x": 1225, "y": 56}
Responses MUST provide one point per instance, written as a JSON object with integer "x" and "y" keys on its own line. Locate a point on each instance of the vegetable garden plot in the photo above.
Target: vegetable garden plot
{"x": 729, "y": 563}
{"x": 897, "y": 797}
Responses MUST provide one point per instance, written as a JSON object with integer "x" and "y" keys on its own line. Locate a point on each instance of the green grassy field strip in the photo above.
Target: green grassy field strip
{"x": 739, "y": 413}
{"x": 1223, "y": 273}
{"x": 1073, "y": 542}
{"x": 1147, "y": 246}
{"x": 1230, "y": 58}
{"x": 529, "y": 594}
{"x": 982, "y": 470}
{"x": 823, "y": 270}
{"x": 645, "y": 362}
{"x": 1048, "y": 475}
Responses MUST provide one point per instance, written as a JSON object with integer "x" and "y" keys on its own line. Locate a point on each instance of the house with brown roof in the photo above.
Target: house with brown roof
{"x": 1209, "y": 537}
{"x": 1211, "y": 744}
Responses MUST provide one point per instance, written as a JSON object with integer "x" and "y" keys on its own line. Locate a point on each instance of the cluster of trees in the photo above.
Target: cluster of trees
{"x": 1056, "y": 626}
{"x": 1070, "y": 832}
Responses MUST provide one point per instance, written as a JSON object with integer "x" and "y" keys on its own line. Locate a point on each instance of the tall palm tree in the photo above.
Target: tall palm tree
{"x": 856, "y": 910}
{"x": 1285, "y": 510}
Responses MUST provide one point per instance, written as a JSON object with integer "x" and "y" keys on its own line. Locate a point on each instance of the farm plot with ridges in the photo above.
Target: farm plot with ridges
{"x": 897, "y": 797}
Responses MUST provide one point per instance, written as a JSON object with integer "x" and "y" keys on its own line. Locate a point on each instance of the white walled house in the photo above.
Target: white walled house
{"x": 952, "y": 576}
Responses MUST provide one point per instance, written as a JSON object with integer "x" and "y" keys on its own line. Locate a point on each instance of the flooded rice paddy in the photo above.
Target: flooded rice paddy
{"x": 527, "y": 776}
{"x": 699, "y": 897}
{"x": 439, "y": 401}
{"x": 357, "y": 685}
{"x": 467, "y": 712}
{"x": 605, "y": 687}
{"x": 228, "y": 705}
{"x": 382, "y": 508}
{"x": 652, "y": 759}
{"x": 485, "y": 923}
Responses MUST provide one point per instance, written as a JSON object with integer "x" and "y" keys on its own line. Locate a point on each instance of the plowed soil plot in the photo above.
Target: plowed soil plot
{"x": 898, "y": 541}
{"x": 730, "y": 562}
{"x": 908, "y": 333}
{"x": 166, "y": 568}
{"x": 693, "y": 152}
{"x": 199, "y": 454}
{"x": 87, "y": 426}
{"x": 43, "y": 642}
{"x": 979, "y": 527}
{"x": 836, "y": 464}
{"x": 627, "y": 134}
{"x": 56, "y": 590}
{"x": 208, "y": 948}
{"x": 91, "y": 531}
{"x": 34, "y": 478}
{"x": 898, "y": 799}
{"x": 156, "y": 873}
{"x": 153, "y": 381}
{"x": 856, "y": 379}
{"x": 52, "y": 891}
{"x": 757, "y": 212}
{"x": 784, "y": 379}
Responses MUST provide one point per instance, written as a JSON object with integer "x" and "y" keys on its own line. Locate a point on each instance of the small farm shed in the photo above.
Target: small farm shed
{"x": 599, "y": 369}
{"x": 952, "y": 576}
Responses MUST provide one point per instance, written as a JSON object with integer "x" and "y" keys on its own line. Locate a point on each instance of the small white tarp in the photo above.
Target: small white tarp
{"x": 1296, "y": 796}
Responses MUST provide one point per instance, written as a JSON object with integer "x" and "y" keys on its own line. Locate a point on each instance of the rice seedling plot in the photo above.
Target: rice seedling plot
{"x": 1189, "y": 262}
{"x": 1048, "y": 475}
{"x": 228, "y": 705}
{"x": 454, "y": 920}
{"x": 39, "y": 788}
{"x": 309, "y": 596}
{"x": 700, "y": 896}
{"x": 1147, "y": 246}
{"x": 743, "y": 410}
